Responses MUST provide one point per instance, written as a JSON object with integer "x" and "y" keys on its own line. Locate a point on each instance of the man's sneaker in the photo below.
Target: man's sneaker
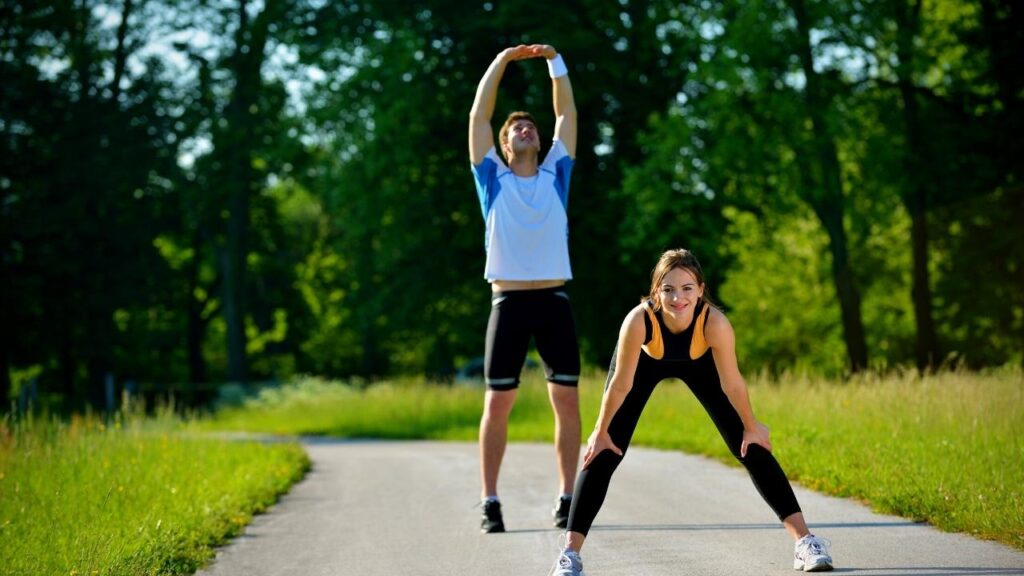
{"x": 568, "y": 564}
{"x": 491, "y": 521}
{"x": 561, "y": 511}
{"x": 811, "y": 554}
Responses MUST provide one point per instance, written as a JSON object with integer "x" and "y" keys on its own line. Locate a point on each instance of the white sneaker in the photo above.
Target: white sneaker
{"x": 811, "y": 554}
{"x": 568, "y": 564}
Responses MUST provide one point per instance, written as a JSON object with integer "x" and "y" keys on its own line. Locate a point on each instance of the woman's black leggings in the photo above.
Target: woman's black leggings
{"x": 592, "y": 483}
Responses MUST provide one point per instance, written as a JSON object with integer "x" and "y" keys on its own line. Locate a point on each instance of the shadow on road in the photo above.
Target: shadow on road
{"x": 773, "y": 526}
{"x": 926, "y": 571}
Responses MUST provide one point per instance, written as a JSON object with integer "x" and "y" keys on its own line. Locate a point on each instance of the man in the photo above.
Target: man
{"x": 524, "y": 208}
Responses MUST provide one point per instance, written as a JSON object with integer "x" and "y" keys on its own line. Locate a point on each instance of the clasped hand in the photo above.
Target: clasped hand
{"x": 524, "y": 51}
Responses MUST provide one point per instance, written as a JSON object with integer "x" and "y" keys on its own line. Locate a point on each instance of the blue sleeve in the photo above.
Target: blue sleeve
{"x": 485, "y": 176}
{"x": 562, "y": 163}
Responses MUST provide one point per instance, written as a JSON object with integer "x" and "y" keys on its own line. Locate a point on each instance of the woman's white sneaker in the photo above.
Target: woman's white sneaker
{"x": 568, "y": 564}
{"x": 811, "y": 554}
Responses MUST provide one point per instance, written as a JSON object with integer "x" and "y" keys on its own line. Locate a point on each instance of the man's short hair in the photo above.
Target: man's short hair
{"x": 512, "y": 119}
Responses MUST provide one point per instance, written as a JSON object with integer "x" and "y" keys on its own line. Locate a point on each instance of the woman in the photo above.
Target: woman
{"x": 677, "y": 333}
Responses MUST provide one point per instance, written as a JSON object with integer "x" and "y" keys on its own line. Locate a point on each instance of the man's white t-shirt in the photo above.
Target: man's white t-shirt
{"x": 527, "y": 226}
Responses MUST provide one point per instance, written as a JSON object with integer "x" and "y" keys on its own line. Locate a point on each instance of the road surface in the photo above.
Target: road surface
{"x": 372, "y": 508}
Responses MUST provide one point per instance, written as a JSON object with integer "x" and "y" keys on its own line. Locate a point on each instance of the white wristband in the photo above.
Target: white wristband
{"x": 556, "y": 67}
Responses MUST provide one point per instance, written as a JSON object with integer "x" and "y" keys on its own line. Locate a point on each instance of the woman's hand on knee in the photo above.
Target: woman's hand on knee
{"x": 599, "y": 442}
{"x": 758, "y": 435}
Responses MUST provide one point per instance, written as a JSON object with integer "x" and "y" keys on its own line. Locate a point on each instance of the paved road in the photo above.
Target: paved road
{"x": 407, "y": 508}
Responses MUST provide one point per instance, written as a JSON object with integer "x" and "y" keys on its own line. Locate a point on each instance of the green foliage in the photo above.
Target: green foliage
{"x": 294, "y": 183}
{"x": 136, "y": 497}
{"x": 398, "y": 409}
{"x": 781, "y": 284}
{"x": 313, "y": 406}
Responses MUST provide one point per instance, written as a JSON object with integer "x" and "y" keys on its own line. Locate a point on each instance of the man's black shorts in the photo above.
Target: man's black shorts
{"x": 544, "y": 314}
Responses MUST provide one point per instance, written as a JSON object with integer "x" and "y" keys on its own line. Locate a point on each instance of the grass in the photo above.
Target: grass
{"x": 400, "y": 409}
{"x": 947, "y": 449}
{"x": 135, "y": 497}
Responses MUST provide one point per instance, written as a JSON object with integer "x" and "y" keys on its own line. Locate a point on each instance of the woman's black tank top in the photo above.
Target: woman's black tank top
{"x": 662, "y": 344}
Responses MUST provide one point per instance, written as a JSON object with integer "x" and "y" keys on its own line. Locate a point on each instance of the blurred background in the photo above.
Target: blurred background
{"x": 200, "y": 192}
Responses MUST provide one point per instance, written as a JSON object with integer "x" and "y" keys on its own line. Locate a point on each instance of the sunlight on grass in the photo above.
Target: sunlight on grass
{"x": 945, "y": 449}
{"x": 137, "y": 496}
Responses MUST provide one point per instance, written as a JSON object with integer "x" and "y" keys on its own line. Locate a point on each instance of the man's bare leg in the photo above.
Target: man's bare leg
{"x": 494, "y": 437}
{"x": 565, "y": 401}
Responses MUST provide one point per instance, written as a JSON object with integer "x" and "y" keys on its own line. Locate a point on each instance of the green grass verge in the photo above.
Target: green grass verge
{"x": 947, "y": 449}
{"x": 139, "y": 497}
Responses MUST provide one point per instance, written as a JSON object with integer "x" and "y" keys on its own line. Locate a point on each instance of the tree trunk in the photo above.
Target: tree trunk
{"x": 368, "y": 296}
{"x": 234, "y": 275}
{"x": 250, "y": 45}
{"x": 825, "y": 195}
{"x": 196, "y": 324}
{"x": 915, "y": 194}
{"x": 121, "y": 52}
{"x": 1002, "y": 25}
{"x": 831, "y": 217}
{"x": 81, "y": 53}
{"x": 927, "y": 347}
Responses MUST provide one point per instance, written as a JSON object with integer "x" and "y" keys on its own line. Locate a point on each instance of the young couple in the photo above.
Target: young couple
{"x": 675, "y": 332}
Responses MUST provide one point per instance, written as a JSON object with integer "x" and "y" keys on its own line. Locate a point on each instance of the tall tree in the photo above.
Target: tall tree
{"x": 251, "y": 36}
{"x": 823, "y": 189}
{"x": 87, "y": 162}
{"x": 907, "y": 17}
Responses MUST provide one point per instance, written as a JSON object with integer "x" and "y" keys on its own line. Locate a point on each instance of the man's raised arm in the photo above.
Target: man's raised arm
{"x": 565, "y": 104}
{"x": 481, "y": 136}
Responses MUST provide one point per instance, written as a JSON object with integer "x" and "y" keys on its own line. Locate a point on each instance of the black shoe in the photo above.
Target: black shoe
{"x": 491, "y": 521}
{"x": 561, "y": 511}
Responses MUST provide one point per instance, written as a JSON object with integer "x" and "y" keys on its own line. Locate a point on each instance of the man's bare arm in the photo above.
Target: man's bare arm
{"x": 565, "y": 113}
{"x": 481, "y": 136}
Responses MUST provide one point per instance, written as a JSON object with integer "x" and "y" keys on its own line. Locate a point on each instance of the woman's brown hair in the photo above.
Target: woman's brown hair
{"x": 679, "y": 258}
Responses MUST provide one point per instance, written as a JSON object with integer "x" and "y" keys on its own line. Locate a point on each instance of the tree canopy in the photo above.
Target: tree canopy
{"x": 207, "y": 191}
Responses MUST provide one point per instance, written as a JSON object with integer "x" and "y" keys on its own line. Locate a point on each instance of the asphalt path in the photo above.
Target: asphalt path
{"x": 372, "y": 508}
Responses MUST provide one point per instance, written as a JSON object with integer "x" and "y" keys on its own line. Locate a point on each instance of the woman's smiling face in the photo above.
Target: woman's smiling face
{"x": 680, "y": 293}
